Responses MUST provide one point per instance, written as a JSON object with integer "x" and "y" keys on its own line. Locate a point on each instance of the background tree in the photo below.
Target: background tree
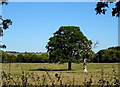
{"x": 5, "y": 57}
{"x": 4, "y": 24}
{"x": 44, "y": 57}
{"x": 20, "y": 58}
{"x": 110, "y": 55}
{"x": 101, "y": 7}
{"x": 32, "y": 57}
{"x": 67, "y": 45}
{"x": 8, "y": 58}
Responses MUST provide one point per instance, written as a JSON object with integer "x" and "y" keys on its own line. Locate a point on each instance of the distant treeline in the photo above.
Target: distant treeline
{"x": 110, "y": 55}
{"x": 25, "y": 57}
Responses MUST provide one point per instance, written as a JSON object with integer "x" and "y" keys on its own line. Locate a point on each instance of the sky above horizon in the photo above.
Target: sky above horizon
{"x": 35, "y": 22}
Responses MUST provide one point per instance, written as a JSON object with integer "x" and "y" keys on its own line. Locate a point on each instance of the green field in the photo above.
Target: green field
{"x": 76, "y": 75}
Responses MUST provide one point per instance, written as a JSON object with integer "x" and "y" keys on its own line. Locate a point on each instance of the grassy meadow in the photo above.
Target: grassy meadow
{"x": 44, "y": 73}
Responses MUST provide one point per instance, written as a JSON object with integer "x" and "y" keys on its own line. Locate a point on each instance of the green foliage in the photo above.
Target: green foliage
{"x": 5, "y": 56}
{"x": 91, "y": 56}
{"x": 4, "y": 24}
{"x": 33, "y": 58}
{"x": 20, "y": 58}
{"x": 109, "y": 55}
{"x": 44, "y": 57}
{"x": 25, "y": 57}
{"x": 102, "y": 5}
{"x": 115, "y": 48}
{"x": 8, "y": 57}
{"x": 67, "y": 45}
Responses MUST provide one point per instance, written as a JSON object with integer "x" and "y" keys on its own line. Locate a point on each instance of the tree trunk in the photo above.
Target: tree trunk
{"x": 85, "y": 65}
{"x": 69, "y": 65}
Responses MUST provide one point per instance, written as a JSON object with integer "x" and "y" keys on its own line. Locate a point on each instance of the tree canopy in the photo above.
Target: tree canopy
{"x": 67, "y": 45}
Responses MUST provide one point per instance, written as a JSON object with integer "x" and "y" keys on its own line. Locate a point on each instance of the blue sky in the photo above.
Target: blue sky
{"x": 35, "y": 22}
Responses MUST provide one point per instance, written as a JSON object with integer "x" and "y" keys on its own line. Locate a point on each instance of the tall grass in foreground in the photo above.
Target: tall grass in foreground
{"x": 28, "y": 79}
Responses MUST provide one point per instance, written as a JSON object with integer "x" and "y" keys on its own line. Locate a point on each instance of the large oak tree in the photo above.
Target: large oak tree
{"x": 68, "y": 45}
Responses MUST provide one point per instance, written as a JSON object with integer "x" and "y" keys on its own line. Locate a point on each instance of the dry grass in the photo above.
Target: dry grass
{"x": 75, "y": 75}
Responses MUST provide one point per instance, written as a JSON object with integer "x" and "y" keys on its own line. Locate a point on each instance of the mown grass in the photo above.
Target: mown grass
{"x": 75, "y": 75}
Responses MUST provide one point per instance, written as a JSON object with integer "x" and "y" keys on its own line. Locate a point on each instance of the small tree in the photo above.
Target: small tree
{"x": 67, "y": 45}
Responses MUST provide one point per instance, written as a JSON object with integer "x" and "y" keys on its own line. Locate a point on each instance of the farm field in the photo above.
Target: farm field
{"x": 48, "y": 71}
